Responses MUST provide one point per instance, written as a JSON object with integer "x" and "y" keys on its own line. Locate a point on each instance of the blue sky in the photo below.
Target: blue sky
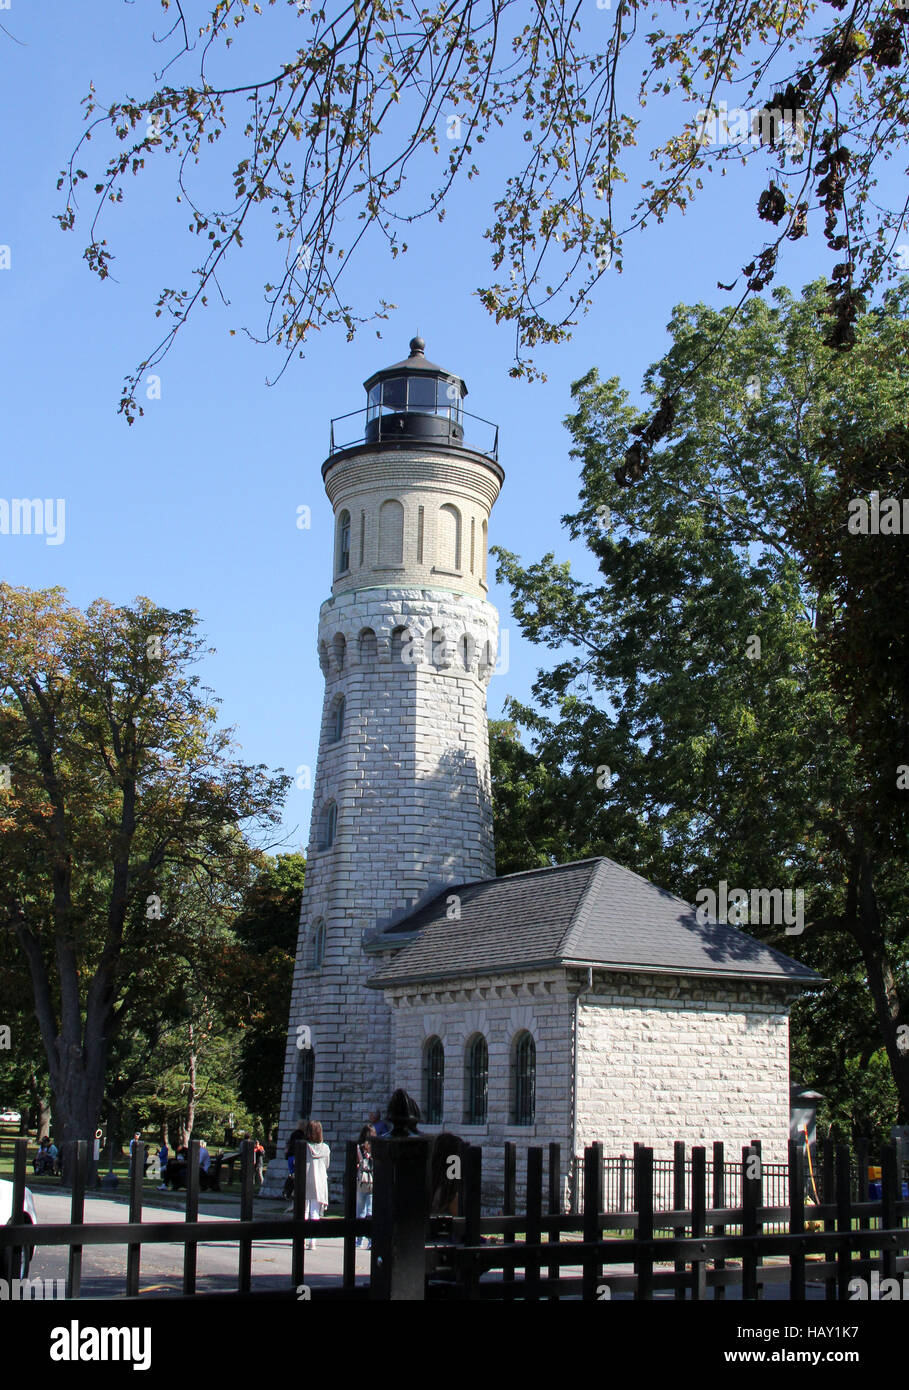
{"x": 196, "y": 504}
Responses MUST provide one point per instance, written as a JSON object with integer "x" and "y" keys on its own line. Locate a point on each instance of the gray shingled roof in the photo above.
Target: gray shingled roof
{"x": 589, "y": 913}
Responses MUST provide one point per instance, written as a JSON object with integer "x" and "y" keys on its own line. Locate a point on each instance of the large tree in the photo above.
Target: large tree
{"x": 708, "y": 696}
{"x": 120, "y": 783}
{"x": 267, "y": 927}
{"x": 329, "y": 138}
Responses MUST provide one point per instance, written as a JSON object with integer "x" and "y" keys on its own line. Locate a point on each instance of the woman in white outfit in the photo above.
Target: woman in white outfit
{"x": 318, "y": 1157}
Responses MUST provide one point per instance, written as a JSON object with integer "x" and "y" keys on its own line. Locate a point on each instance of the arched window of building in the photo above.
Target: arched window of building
{"x": 466, "y": 647}
{"x": 476, "y": 1080}
{"x": 329, "y": 826}
{"x": 483, "y": 556}
{"x": 391, "y": 533}
{"x": 433, "y": 1080}
{"x": 524, "y": 1079}
{"x": 337, "y": 719}
{"x": 439, "y": 648}
{"x": 448, "y": 540}
{"x": 343, "y": 564}
{"x": 402, "y": 643}
{"x": 340, "y": 648}
{"x": 368, "y": 647}
{"x": 306, "y": 1080}
{"x": 316, "y": 944}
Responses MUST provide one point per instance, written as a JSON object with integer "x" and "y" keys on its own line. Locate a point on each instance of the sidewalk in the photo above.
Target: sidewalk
{"x": 104, "y": 1266}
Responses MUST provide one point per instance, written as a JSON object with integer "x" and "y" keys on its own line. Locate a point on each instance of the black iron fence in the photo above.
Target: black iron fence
{"x": 709, "y": 1247}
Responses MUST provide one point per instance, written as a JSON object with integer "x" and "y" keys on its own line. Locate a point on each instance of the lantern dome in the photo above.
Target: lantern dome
{"x": 415, "y": 399}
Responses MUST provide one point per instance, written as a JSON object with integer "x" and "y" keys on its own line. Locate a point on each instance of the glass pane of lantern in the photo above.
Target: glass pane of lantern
{"x": 393, "y": 393}
{"x": 372, "y": 408}
{"x": 450, "y": 398}
{"x": 421, "y": 393}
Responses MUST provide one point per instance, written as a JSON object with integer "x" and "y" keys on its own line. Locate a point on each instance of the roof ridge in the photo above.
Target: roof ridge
{"x": 544, "y": 869}
{"x": 584, "y": 907}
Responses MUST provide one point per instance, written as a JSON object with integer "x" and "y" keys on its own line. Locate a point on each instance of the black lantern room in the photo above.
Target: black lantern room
{"x": 415, "y": 399}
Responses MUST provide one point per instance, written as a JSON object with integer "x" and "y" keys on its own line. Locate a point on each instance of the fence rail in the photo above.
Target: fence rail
{"x": 705, "y": 1233}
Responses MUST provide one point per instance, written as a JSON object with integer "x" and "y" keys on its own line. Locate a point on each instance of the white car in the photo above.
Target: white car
{"x": 8, "y": 1262}
{"x": 10, "y": 1117}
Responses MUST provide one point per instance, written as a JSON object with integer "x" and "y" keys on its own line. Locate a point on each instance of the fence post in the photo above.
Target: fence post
{"x": 190, "y": 1250}
{"x": 471, "y": 1208}
{"x": 890, "y": 1192}
{"x": 719, "y": 1200}
{"x": 843, "y": 1218}
{"x": 796, "y": 1219}
{"x": 643, "y": 1193}
{"x": 509, "y": 1201}
{"x": 247, "y": 1176}
{"x": 134, "y": 1250}
{"x": 533, "y": 1234}
{"x": 79, "y": 1163}
{"x": 401, "y": 1200}
{"x": 11, "y": 1256}
{"x": 555, "y": 1208}
{"x": 678, "y": 1204}
{"x": 298, "y": 1257}
{"x": 593, "y": 1202}
{"x": 861, "y": 1177}
{"x": 351, "y": 1159}
{"x": 751, "y": 1200}
{"x": 827, "y": 1196}
{"x": 698, "y": 1223}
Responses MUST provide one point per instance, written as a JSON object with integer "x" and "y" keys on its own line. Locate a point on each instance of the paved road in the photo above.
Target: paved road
{"x": 104, "y": 1266}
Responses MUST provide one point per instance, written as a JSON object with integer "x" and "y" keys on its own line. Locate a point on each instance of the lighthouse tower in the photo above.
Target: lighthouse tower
{"x": 401, "y": 798}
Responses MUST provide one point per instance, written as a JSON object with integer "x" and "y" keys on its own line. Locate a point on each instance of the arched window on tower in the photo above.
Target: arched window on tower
{"x": 340, "y": 650}
{"x": 391, "y": 533}
{"x": 316, "y": 946}
{"x": 433, "y": 1080}
{"x": 448, "y": 543}
{"x": 476, "y": 1080}
{"x": 337, "y": 719}
{"x": 306, "y": 1081}
{"x": 329, "y": 826}
{"x": 368, "y": 652}
{"x": 523, "y": 1079}
{"x": 343, "y": 562}
{"x": 483, "y": 556}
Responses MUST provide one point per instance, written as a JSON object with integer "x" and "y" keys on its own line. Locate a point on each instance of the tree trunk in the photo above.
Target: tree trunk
{"x": 78, "y": 1089}
{"x": 41, "y": 1111}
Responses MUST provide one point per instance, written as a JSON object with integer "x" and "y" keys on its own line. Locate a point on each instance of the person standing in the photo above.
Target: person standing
{"x": 364, "y": 1177}
{"x": 259, "y": 1161}
{"x": 136, "y": 1139}
{"x": 318, "y": 1157}
{"x": 378, "y": 1124}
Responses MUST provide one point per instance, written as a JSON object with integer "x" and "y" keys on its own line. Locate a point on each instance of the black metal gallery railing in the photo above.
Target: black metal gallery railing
{"x": 416, "y": 427}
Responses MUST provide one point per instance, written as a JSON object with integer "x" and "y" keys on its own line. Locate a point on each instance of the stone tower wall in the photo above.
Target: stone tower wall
{"x": 409, "y": 777}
